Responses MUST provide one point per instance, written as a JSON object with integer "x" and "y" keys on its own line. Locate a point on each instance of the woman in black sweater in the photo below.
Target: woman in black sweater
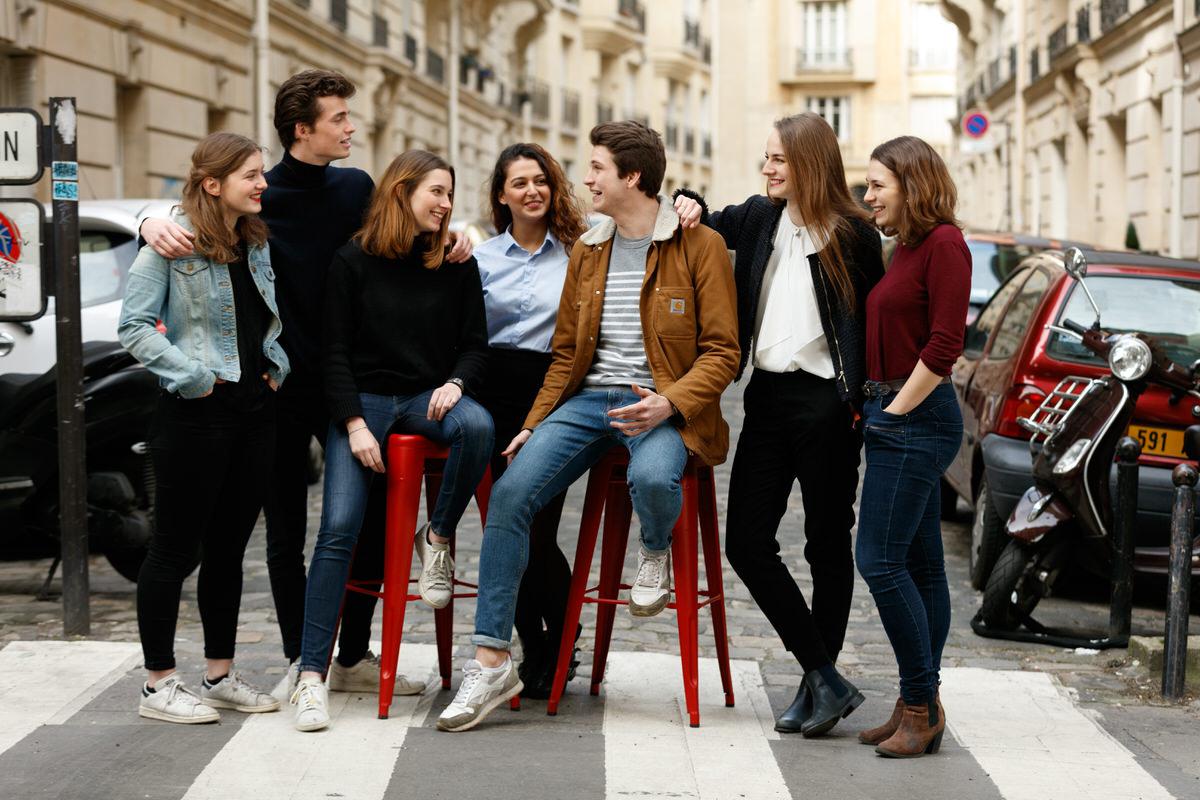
{"x": 405, "y": 339}
{"x": 806, "y": 259}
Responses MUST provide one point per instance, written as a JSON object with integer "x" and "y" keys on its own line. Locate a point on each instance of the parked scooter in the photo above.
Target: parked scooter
{"x": 119, "y": 396}
{"x": 1075, "y": 435}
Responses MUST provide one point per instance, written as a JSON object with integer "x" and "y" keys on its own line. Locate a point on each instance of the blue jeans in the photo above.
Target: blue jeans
{"x": 563, "y": 447}
{"x": 466, "y": 428}
{"x": 899, "y": 548}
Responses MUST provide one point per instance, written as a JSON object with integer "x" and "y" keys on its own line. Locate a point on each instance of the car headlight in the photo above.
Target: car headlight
{"x": 1070, "y": 459}
{"x": 1130, "y": 358}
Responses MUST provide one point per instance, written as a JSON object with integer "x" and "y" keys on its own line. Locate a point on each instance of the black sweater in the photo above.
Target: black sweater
{"x": 393, "y": 327}
{"x": 310, "y": 211}
{"x": 749, "y": 229}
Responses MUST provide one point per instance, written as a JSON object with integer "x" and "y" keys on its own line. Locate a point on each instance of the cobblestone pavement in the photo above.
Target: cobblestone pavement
{"x": 1108, "y": 682}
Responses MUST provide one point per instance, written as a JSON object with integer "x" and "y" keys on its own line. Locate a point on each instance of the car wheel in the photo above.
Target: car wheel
{"x": 987, "y": 537}
{"x": 1011, "y": 594}
{"x": 949, "y": 501}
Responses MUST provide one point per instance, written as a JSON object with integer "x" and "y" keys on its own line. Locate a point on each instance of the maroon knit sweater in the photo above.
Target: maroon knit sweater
{"x": 919, "y": 309}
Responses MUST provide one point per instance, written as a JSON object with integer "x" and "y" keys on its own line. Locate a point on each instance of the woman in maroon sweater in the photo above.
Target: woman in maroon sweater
{"x": 916, "y": 317}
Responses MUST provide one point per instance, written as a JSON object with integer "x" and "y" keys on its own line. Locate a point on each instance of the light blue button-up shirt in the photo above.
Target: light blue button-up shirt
{"x": 521, "y": 290}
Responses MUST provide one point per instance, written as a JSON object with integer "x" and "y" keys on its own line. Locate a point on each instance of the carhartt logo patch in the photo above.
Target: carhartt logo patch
{"x": 677, "y": 305}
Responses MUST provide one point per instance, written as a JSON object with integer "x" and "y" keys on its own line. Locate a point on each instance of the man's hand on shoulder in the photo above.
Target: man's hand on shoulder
{"x": 460, "y": 247}
{"x": 168, "y": 239}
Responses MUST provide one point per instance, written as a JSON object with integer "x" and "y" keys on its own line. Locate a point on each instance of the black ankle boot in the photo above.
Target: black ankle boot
{"x": 830, "y": 703}
{"x": 791, "y": 720}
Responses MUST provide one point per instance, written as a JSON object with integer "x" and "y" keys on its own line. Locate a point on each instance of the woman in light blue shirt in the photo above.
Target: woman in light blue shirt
{"x": 523, "y": 270}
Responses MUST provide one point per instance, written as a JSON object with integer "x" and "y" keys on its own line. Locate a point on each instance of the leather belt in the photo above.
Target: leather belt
{"x": 884, "y": 388}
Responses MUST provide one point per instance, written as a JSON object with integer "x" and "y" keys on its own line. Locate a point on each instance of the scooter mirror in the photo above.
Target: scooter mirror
{"x": 1075, "y": 263}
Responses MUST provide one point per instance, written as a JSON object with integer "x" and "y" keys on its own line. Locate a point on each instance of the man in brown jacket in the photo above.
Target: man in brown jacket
{"x": 645, "y": 344}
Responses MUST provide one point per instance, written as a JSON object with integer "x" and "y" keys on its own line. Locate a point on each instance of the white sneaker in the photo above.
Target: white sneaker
{"x": 364, "y": 677}
{"x": 652, "y": 587}
{"x": 171, "y": 701}
{"x": 480, "y": 692}
{"x": 287, "y": 684}
{"x": 437, "y": 570}
{"x": 235, "y": 693}
{"x": 311, "y": 700}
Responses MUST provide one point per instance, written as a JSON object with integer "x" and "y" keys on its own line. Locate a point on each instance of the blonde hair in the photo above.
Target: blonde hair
{"x": 390, "y": 229}
{"x": 217, "y": 156}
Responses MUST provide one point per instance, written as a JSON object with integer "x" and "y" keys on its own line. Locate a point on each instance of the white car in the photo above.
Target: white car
{"x": 107, "y": 247}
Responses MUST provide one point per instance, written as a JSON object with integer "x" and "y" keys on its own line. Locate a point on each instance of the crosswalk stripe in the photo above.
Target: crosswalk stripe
{"x": 353, "y": 758}
{"x": 46, "y": 682}
{"x": 1034, "y": 743}
{"x": 650, "y": 751}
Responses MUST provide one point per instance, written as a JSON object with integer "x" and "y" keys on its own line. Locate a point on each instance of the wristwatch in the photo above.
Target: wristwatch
{"x": 462, "y": 387}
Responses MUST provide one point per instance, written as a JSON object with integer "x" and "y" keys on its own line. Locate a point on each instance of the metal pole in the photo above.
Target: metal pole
{"x": 1121, "y": 606}
{"x": 1179, "y": 580}
{"x": 262, "y": 72}
{"x": 72, "y": 471}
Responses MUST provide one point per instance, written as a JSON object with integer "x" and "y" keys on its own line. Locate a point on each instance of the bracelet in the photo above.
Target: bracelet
{"x": 356, "y": 430}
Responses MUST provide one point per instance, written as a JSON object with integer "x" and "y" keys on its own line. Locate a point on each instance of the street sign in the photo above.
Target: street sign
{"x": 22, "y": 295}
{"x": 21, "y": 160}
{"x": 975, "y": 124}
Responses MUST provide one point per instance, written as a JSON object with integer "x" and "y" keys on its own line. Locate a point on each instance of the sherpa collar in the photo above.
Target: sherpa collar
{"x": 664, "y": 226}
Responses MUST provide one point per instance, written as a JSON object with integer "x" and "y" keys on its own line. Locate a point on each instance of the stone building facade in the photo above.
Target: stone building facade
{"x": 1095, "y": 119}
{"x": 462, "y": 78}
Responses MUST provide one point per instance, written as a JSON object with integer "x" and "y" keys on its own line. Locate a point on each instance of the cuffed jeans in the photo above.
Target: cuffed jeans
{"x": 899, "y": 548}
{"x": 562, "y": 448}
{"x": 466, "y": 428}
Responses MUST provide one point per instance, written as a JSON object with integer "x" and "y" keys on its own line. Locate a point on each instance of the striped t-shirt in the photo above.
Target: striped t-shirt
{"x": 621, "y": 352}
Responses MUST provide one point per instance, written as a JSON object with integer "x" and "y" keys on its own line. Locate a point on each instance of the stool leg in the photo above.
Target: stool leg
{"x": 684, "y": 560}
{"x": 589, "y": 527}
{"x": 711, "y": 541}
{"x": 618, "y": 512}
{"x": 405, "y": 466}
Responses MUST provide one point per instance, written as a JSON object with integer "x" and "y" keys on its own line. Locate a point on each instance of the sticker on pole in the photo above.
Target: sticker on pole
{"x": 21, "y": 288}
{"x": 975, "y": 124}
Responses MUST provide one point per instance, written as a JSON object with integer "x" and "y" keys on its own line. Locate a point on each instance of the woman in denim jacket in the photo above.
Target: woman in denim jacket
{"x": 218, "y": 363}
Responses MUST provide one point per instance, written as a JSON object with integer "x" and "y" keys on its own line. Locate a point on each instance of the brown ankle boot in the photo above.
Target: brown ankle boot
{"x": 874, "y": 736}
{"x": 920, "y": 732}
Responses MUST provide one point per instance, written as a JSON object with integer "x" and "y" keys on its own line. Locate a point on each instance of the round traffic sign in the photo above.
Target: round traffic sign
{"x": 975, "y": 124}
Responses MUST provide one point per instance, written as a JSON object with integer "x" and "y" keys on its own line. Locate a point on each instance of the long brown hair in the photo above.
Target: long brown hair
{"x": 930, "y": 196}
{"x": 390, "y": 230}
{"x": 814, "y": 161}
{"x": 565, "y": 217}
{"x": 217, "y": 156}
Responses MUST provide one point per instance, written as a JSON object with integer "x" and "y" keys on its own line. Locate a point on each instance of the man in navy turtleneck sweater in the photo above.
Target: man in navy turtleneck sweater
{"x": 311, "y": 209}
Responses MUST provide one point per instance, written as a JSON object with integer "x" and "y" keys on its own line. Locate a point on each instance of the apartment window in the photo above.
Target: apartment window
{"x": 935, "y": 39}
{"x": 824, "y": 35}
{"x": 836, "y": 111}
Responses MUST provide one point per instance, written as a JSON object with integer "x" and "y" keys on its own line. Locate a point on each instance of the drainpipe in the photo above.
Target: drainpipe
{"x": 1175, "y": 231}
{"x": 262, "y": 77}
{"x": 455, "y": 46}
{"x": 1016, "y": 177}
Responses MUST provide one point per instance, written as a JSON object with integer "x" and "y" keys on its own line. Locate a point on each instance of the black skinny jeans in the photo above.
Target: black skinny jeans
{"x": 302, "y": 415}
{"x": 512, "y": 383}
{"x": 212, "y": 457}
{"x": 796, "y": 429}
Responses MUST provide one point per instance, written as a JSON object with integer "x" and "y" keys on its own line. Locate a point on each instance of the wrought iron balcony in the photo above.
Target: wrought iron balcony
{"x": 632, "y": 13}
{"x": 824, "y": 60}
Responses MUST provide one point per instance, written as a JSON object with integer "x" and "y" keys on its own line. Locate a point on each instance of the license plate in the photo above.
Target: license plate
{"x": 1158, "y": 441}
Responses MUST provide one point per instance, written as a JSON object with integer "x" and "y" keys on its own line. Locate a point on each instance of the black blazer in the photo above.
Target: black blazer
{"x": 749, "y": 229}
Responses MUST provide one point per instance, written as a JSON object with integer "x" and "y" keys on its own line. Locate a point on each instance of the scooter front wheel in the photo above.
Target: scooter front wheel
{"x": 1012, "y": 592}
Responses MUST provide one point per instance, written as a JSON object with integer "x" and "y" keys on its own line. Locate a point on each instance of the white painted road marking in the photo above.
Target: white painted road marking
{"x": 41, "y": 680}
{"x": 1034, "y": 743}
{"x": 353, "y": 758}
{"x": 650, "y": 751}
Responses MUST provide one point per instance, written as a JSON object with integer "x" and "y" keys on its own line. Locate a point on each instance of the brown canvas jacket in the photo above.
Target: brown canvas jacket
{"x": 689, "y": 326}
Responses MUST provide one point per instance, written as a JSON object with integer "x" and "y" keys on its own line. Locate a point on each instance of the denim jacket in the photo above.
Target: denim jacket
{"x": 193, "y": 296}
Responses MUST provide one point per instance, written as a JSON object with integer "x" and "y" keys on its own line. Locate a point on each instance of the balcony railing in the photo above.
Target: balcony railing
{"x": 1083, "y": 24}
{"x": 435, "y": 65}
{"x": 1111, "y": 12}
{"x": 570, "y": 109}
{"x": 1035, "y": 69}
{"x": 632, "y": 13}
{"x": 604, "y": 112}
{"x": 672, "y": 136}
{"x": 691, "y": 33}
{"x": 379, "y": 31}
{"x": 839, "y": 60}
{"x": 339, "y": 13}
{"x": 1057, "y": 42}
{"x": 410, "y": 48}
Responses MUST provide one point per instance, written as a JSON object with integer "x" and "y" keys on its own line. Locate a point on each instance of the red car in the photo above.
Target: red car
{"x": 1011, "y": 361}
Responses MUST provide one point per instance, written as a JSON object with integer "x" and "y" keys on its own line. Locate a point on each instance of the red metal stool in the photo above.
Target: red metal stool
{"x": 607, "y": 492}
{"x": 411, "y": 459}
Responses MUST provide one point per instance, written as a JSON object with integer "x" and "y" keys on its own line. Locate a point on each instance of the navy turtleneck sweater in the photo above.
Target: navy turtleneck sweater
{"x": 311, "y": 211}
